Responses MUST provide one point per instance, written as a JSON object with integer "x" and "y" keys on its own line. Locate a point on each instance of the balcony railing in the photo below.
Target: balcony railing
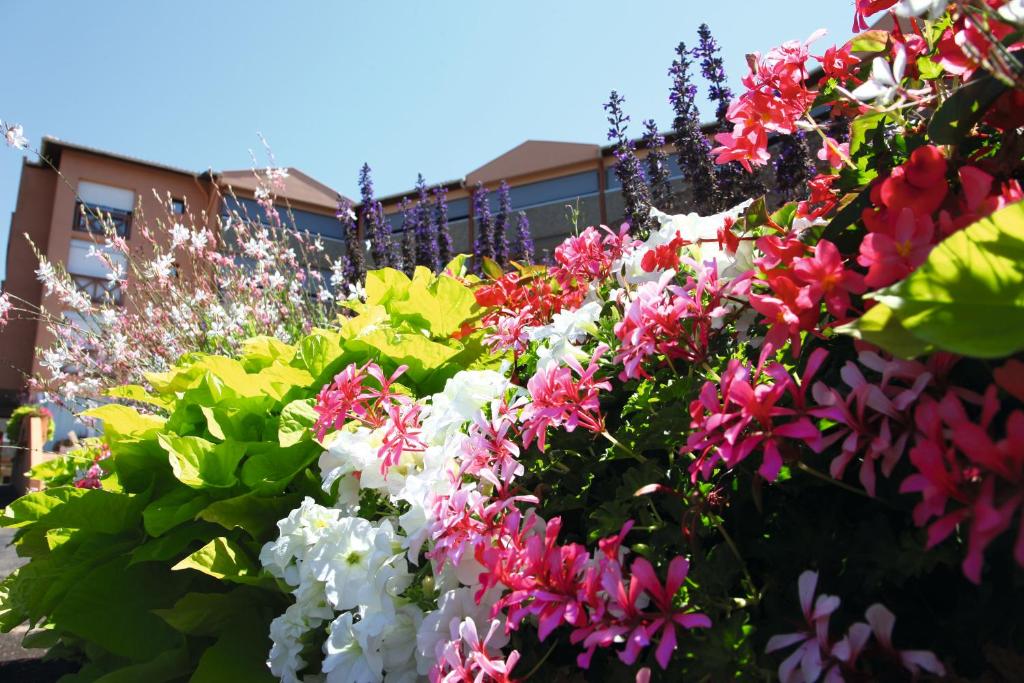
{"x": 95, "y": 218}
{"x": 99, "y": 289}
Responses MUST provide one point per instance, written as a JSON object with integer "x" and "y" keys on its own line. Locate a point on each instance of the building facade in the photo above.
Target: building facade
{"x": 58, "y": 199}
{"x": 561, "y": 186}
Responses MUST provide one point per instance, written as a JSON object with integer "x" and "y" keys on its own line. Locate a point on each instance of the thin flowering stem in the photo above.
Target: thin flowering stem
{"x": 540, "y": 663}
{"x": 624, "y": 448}
{"x": 813, "y": 125}
{"x": 803, "y": 467}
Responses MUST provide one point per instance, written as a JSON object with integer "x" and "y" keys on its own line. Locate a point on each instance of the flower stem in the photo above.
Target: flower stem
{"x": 541, "y": 662}
{"x": 835, "y": 482}
{"x": 624, "y": 448}
{"x": 736, "y": 551}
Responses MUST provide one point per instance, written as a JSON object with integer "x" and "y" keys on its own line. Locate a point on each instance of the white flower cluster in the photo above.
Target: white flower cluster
{"x": 350, "y": 575}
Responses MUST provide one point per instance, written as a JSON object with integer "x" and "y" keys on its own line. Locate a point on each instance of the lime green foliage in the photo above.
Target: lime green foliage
{"x": 968, "y": 297}
{"x": 156, "y": 576}
{"x": 20, "y": 413}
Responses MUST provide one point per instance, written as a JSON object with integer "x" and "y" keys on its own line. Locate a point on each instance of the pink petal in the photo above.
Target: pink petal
{"x": 667, "y": 645}
{"x": 677, "y": 571}
{"x": 807, "y": 583}
{"x": 882, "y": 622}
{"x": 784, "y": 641}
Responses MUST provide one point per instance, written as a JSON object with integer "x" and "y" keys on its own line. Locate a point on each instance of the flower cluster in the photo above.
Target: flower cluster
{"x": 819, "y": 654}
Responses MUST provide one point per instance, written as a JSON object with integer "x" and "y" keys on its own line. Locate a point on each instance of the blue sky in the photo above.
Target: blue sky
{"x": 434, "y": 87}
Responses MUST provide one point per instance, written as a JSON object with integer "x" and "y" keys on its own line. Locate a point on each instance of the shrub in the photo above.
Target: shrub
{"x": 156, "y": 573}
{"x": 20, "y": 413}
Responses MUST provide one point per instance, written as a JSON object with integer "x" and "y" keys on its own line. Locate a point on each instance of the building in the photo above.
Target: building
{"x": 549, "y": 181}
{"x": 49, "y": 209}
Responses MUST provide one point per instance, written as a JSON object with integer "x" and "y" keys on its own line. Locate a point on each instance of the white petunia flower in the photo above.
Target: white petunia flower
{"x": 929, "y": 9}
{"x": 566, "y": 329}
{"x": 884, "y": 84}
{"x": 462, "y": 399}
{"x": 298, "y": 532}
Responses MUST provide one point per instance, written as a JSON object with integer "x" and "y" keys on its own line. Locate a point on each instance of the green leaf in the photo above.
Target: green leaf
{"x": 492, "y": 269}
{"x": 269, "y": 468}
{"x": 386, "y": 284}
{"x": 756, "y": 215}
{"x": 67, "y": 507}
{"x": 238, "y": 655}
{"x": 259, "y": 352}
{"x": 110, "y": 606}
{"x": 861, "y": 129}
{"x": 296, "y": 420}
{"x": 121, "y": 421}
{"x": 175, "y": 543}
{"x": 881, "y": 327}
{"x": 174, "y": 508}
{"x": 224, "y": 559}
{"x": 199, "y": 463}
{"x": 928, "y": 68}
{"x": 968, "y": 296}
{"x": 136, "y": 392}
{"x": 870, "y": 41}
{"x": 209, "y": 614}
{"x": 166, "y": 666}
{"x": 256, "y": 514}
{"x": 963, "y": 110}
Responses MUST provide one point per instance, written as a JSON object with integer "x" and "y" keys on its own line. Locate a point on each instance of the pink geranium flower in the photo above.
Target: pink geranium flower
{"x": 559, "y": 400}
{"x": 892, "y": 255}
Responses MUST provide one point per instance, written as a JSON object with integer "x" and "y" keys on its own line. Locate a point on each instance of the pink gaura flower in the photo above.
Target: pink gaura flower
{"x": 835, "y": 153}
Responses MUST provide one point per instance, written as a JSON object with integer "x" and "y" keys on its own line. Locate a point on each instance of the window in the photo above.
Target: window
{"x": 90, "y": 272}
{"x": 178, "y": 207}
{"x": 101, "y": 206}
{"x": 96, "y": 219}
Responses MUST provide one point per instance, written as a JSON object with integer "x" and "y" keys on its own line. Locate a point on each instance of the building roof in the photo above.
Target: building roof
{"x": 298, "y": 186}
{"x": 532, "y": 156}
{"x": 52, "y": 147}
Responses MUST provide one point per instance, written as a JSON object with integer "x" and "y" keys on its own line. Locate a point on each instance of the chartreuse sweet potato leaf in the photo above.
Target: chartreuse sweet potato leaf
{"x": 968, "y": 296}
{"x": 177, "y": 543}
{"x": 199, "y": 463}
{"x": 210, "y": 614}
{"x": 179, "y": 505}
{"x": 440, "y": 313}
{"x": 881, "y": 327}
{"x": 223, "y": 558}
{"x": 136, "y": 392}
{"x": 260, "y": 352}
{"x": 296, "y": 419}
{"x": 110, "y": 606}
{"x": 71, "y": 508}
{"x": 121, "y": 421}
{"x": 239, "y": 655}
{"x": 167, "y": 666}
{"x": 256, "y": 514}
{"x": 270, "y": 468}
{"x": 385, "y": 285}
